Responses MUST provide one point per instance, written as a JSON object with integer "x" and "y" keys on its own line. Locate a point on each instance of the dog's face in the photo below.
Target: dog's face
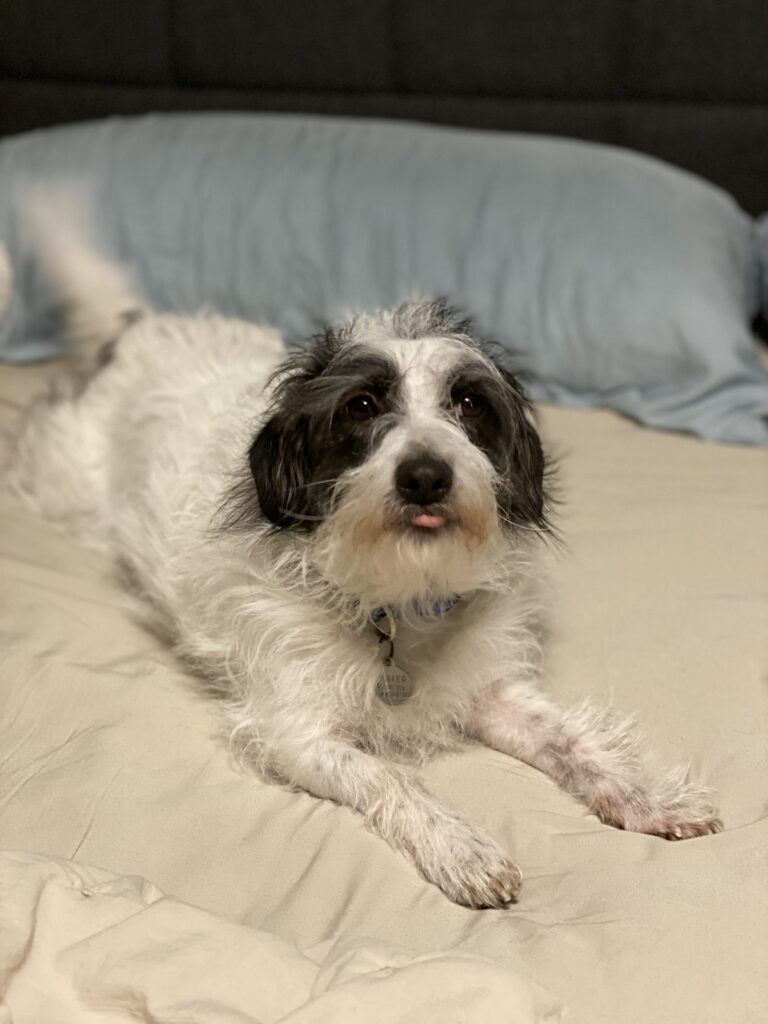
{"x": 405, "y": 451}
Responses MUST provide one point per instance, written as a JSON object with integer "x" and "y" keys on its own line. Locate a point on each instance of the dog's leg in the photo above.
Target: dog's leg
{"x": 461, "y": 859}
{"x": 597, "y": 759}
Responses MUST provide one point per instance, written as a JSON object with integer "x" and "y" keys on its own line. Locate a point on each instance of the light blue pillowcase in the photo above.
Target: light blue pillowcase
{"x": 617, "y": 280}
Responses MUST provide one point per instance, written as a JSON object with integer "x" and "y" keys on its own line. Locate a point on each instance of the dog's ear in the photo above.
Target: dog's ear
{"x": 528, "y": 498}
{"x": 525, "y": 500}
{"x": 280, "y": 468}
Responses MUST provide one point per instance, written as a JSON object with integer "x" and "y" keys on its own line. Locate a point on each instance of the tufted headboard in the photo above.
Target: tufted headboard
{"x": 685, "y": 80}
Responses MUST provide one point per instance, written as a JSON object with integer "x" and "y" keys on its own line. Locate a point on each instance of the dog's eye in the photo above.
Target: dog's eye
{"x": 470, "y": 405}
{"x": 362, "y": 407}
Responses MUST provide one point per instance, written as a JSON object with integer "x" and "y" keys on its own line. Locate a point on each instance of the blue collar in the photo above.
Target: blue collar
{"x": 437, "y": 609}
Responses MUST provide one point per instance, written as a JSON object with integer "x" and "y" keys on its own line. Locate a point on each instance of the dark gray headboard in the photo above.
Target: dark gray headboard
{"x": 685, "y": 80}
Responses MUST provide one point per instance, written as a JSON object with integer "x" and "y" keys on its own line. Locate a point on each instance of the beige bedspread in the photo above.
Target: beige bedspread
{"x": 281, "y": 907}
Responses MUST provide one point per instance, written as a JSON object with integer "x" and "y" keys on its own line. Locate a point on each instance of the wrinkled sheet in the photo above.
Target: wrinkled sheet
{"x": 81, "y": 945}
{"x": 282, "y": 907}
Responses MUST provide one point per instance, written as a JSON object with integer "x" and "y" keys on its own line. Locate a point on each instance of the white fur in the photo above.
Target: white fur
{"x": 95, "y": 294}
{"x": 140, "y": 459}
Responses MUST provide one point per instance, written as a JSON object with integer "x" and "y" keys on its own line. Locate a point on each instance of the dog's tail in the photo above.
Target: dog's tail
{"x": 98, "y": 298}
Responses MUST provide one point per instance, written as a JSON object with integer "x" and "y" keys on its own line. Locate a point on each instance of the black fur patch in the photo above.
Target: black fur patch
{"x": 505, "y": 433}
{"x": 308, "y": 441}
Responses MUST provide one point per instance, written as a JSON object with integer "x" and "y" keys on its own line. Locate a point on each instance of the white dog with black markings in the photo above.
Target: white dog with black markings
{"x": 344, "y": 541}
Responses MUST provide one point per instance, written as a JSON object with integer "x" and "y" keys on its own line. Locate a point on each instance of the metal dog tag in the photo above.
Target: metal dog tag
{"x": 395, "y": 685}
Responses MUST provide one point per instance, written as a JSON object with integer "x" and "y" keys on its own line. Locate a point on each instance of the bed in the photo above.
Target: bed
{"x": 144, "y": 875}
{"x": 284, "y": 904}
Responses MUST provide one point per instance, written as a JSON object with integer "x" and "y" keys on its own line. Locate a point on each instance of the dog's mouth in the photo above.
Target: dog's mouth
{"x": 425, "y": 520}
{"x": 428, "y": 521}
{"x": 429, "y": 524}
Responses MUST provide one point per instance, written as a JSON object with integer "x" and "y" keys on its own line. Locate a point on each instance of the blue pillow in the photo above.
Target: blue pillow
{"x": 617, "y": 280}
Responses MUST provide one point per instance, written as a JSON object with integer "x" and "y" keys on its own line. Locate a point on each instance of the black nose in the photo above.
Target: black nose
{"x": 423, "y": 480}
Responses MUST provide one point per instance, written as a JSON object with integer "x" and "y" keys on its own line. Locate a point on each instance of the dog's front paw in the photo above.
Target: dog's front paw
{"x": 677, "y": 809}
{"x": 470, "y": 868}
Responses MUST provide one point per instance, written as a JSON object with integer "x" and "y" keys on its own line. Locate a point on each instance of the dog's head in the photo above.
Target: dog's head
{"x": 406, "y": 451}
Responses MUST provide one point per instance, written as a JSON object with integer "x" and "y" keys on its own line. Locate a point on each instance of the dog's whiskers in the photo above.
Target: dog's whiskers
{"x": 519, "y": 526}
{"x": 317, "y": 483}
{"x": 299, "y": 515}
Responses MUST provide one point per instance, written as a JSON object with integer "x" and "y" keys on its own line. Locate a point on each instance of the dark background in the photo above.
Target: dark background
{"x": 685, "y": 80}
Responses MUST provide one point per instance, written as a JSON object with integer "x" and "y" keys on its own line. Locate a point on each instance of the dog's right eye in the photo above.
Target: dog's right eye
{"x": 362, "y": 407}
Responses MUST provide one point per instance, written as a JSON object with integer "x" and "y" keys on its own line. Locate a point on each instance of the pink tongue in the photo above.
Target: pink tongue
{"x": 431, "y": 522}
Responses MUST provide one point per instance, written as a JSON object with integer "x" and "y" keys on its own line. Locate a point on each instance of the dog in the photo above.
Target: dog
{"x": 345, "y": 541}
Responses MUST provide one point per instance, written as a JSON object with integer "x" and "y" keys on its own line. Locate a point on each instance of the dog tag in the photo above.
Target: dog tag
{"x": 395, "y": 685}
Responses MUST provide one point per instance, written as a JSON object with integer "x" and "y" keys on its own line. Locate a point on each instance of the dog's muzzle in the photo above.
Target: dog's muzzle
{"x": 422, "y": 483}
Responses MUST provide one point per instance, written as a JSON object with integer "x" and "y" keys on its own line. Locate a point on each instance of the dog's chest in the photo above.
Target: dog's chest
{"x": 425, "y": 667}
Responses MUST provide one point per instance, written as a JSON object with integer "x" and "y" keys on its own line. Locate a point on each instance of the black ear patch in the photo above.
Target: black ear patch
{"x": 280, "y": 466}
{"x": 308, "y": 443}
{"x": 527, "y": 497}
{"x": 525, "y": 501}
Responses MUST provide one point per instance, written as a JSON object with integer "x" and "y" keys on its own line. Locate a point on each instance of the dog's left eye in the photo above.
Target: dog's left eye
{"x": 471, "y": 405}
{"x": 362, "y": 407}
